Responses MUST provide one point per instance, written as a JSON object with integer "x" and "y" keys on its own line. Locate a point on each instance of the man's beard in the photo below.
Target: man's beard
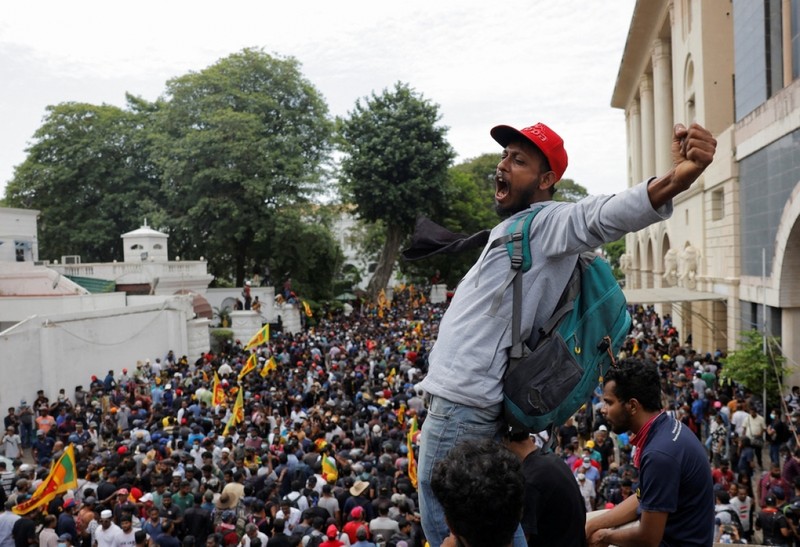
{"x": 521, "y": 203}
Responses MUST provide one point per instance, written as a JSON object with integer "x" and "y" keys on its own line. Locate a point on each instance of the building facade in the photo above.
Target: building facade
{"x": 731, "y": 248}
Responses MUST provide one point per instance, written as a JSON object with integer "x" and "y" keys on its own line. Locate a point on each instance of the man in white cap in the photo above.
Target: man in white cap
{"x": 465, "y": 378}
{"x": 107, "y": 534}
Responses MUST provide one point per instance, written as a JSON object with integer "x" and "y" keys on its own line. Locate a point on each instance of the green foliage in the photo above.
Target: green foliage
{"x": 469, "y": 208}
{"x": 310, "y": 255}
{"x": 613, "y": 251}
{"x": 747, "y": 364}
{"x": 219, "y": 337}
{"x": 88, "y": 173}
{"x": 236, "y": 142}
{"x": 395, "y": 157}
{"x": 569, "y": 190}
{"x": 394, "y": 165}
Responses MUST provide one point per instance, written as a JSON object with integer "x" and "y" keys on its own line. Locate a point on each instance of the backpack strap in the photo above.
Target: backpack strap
{"x": 519, "y": 250}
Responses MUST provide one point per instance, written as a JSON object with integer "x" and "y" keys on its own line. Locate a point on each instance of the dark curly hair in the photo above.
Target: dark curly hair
{"x": 480, "y": 487}
{"x": 636, "y": 379}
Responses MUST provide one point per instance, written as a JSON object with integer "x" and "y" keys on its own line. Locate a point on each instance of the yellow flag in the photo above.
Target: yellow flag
{"x": 237, "y": 415}
{"x": 63, "y": 476}
{"x": 217, "y": 393}
{"x": 249, "y": 366}
{"x": 307, "y": 308}
{"x": 270, "y": 365}
{"x": 261, "y": 337}
{"x": 390, "y": 378}
{"x": 329, "y": 470}
{"x": 382, "y": 301}
{"x": 412, "y": 462}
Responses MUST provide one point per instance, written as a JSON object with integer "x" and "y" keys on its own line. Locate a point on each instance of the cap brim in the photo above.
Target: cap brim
{"x": 504, "y": 134}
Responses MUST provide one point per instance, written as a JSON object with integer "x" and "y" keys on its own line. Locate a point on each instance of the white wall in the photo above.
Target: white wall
{"x": 17, "y": 308}
{"x": 18, "y": 225}
{"x": 66, "y": 350}
{"x": 266, "y": 295}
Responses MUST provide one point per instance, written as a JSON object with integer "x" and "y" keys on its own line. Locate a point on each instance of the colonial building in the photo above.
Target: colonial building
{"x": 732, "y": 247}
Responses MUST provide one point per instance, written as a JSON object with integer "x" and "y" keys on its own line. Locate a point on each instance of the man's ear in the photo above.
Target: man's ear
{"x": 547, "y": 180}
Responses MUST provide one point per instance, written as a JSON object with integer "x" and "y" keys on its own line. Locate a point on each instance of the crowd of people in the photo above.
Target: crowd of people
{"x": 155, "y": 467}
{"x": 156, "y": 460}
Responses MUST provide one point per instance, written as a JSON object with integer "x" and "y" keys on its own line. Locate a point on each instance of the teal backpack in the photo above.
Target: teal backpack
{"x": 546, "y": 385}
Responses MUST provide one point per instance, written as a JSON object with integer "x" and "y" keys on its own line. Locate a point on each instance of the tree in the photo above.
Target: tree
{"x": 569, "y": 190}
{"x": 309, "y": 255}
{"x": 237, "y": 142}
{"x": 394, "y": 166}
{"x": 468, "y": 208}
{"x": 88, "y": 173}
{"x": 747, "y": 365}
{"x": 613, "y": 251}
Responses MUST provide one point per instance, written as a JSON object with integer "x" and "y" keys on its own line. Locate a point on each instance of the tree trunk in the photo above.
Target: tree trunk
{"x": 240, "y": 260}
{"x": 386, "y": 262}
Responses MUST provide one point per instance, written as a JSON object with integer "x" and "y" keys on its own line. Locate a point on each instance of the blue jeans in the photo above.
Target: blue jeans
{"x": 446, "y": 425}
{"x": 775, "y": 453}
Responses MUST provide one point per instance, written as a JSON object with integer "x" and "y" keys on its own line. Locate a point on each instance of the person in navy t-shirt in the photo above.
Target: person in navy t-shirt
{"x": 675, "y": 499}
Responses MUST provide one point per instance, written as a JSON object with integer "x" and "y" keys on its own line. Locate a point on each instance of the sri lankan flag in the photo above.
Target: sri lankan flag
{"x": 401, "y": 414}
{"x": 382, "y": 300}
{"x": 237, "y": 415}
{"x": 329, "y": 471}
{"x": 62, "y": 477}
{"x": 412, "y": 462}
{"x": 261, "y": 337}
{"x": 217, "y": 393}
{"x": 270, "y": 365}
{"x": 307, "y": 309}
{"x": 249, "y": 366}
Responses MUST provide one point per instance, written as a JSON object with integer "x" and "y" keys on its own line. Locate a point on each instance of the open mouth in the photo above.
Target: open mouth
{"x": 501, "y": 187}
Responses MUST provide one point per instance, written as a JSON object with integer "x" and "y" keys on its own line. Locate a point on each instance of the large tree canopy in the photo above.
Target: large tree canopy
{"x": 236, "y": 142}
{"x": 87, "y": 172}
{"x": 394, "y": 166}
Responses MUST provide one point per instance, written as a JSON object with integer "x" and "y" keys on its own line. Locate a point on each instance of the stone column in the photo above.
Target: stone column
{"x": 635, "y": 142}
{"x": 648, "y": 127}
{"x": 662, "y": 105}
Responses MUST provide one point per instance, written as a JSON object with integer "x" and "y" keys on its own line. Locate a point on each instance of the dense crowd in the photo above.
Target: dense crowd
{"x": 754, "y": 456}
{"x": 152, "y": 459}
{"x": 157, "y": 463}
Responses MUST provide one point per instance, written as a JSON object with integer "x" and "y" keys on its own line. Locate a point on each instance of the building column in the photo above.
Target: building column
{"x": 790, "y": 341}
{"x": 786, "y": 38}
{"x": 648, "y": 128}
{"x": 635, "y": 142}
{"x": 662, "y": 105}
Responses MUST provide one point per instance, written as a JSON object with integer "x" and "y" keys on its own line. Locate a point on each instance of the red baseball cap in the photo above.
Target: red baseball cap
{"x": 541, "y": 136}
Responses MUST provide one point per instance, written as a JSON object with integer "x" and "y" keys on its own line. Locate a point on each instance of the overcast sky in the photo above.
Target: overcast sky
{"x": 484, "y": 63}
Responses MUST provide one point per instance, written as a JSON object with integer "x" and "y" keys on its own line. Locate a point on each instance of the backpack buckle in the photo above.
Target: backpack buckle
{"x": 516, "y": 262}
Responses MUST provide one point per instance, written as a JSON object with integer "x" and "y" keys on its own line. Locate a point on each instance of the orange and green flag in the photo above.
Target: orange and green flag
{"x": 269, "y": 366}
{"x": 237, "y": 415}
{"x": 62, "y": 477}
{"x": 217, "y": 392}
{"x": 412, "y": 461}
{"x": 307, "y": 309}
{"x": 329, "y": 470}
{"x": 261, "y": 337}
{"x": 249, "y": 366}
